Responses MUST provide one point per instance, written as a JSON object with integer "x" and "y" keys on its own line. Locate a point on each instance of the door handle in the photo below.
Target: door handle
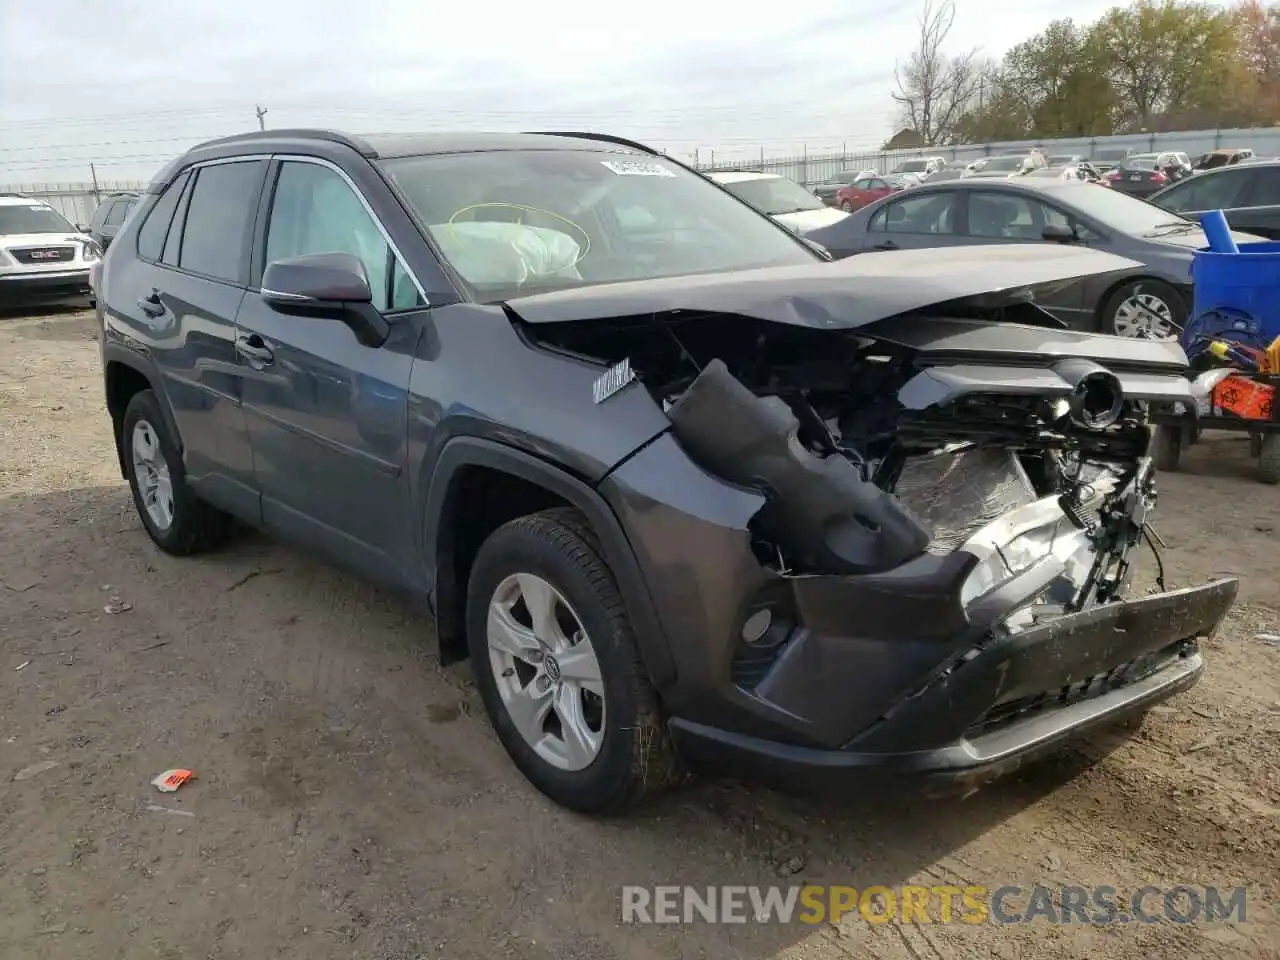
{"x": 254, "y": 350}
{"x": 887, "y": 245}
{"x": 151, "y": 304}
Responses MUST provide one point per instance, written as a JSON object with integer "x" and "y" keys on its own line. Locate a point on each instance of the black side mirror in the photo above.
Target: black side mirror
{"x": 333, "y": 286}
{"x": 1057, "y": 233}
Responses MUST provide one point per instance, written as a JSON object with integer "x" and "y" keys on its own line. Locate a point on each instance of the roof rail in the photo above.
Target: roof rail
{"x": 603, "y": 137}
{"x": 328, "y": 136}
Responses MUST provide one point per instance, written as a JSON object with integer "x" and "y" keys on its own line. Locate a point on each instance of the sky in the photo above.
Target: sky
{"x": 128, "y": 84}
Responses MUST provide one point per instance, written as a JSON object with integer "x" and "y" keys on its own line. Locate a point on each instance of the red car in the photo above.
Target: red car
{"x": 864, "y": 191}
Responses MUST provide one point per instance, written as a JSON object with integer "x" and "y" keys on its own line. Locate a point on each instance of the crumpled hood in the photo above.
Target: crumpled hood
{"x": 839, "y": 295}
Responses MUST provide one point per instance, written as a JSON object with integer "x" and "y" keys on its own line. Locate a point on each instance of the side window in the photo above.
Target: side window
{"x": 115, "y": 216}
{"x": 156, "y": 226}
{"x": 1264, "y": 187}
{"x": 1004, "y": 216}
{"x": 215, "y": 233}
{"x": 1207, "y": 191}
{"x": 173, "y": 243}
{"x": 314, "y": 210}
{"x": 926, "y": 213}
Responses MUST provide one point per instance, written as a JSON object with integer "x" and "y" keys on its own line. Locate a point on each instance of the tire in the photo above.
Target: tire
{"x": 1167, "y": 448}
{"x": 1269, "y": 459}
{"x": 633, "y": 754}
{"x": 194, "y": 526}
{"x": 1158, "y": 291}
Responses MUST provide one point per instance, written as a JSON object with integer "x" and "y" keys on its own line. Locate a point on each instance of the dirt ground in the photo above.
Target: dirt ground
{"x": 351, "y": 800}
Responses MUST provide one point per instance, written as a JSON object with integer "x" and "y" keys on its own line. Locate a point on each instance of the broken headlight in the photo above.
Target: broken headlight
{"x": 1059, "y": 538}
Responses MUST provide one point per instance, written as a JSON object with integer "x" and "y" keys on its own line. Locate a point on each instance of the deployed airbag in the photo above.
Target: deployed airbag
{"x": 819, "y": 510}
{"x": 493, "y": 252}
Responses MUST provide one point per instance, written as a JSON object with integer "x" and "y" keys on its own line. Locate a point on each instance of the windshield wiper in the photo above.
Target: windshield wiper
{"x": 1180, "y": 226}
{"x": 783, "y": 213}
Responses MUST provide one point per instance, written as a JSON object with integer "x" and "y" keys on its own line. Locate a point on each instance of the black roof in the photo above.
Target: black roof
{"x": 392, "y": 145}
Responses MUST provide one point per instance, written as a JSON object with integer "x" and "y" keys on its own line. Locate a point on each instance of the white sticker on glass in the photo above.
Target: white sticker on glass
{"x": 637, "y": 168}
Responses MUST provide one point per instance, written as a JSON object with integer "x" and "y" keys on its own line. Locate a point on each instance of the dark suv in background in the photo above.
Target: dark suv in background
{"x": 682, "y": 490}
{"x": 110, "y": 216}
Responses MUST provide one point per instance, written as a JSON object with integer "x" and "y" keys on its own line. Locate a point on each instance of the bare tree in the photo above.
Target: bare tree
{"x": 936, "y": 89}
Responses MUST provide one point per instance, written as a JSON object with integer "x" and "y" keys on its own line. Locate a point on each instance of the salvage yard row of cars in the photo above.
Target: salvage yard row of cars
{"x": 688, "y": 493}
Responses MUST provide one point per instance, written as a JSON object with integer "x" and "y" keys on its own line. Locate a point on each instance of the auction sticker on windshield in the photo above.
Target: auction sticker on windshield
{"x": 637, "y": 168}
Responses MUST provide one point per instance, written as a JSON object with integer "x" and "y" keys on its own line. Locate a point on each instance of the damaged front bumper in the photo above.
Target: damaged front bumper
{"x": 953, "y": 664}
{"x": 1018, "y": 698}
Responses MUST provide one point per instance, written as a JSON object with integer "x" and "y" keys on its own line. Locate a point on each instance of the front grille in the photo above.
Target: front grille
{"x": 1014, "y": 711}
{"x": 958, "y": 493}
{"x": 38, "y": 255}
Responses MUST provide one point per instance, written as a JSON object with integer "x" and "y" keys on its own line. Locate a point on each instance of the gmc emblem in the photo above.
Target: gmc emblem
{"x": 44, "y": 254}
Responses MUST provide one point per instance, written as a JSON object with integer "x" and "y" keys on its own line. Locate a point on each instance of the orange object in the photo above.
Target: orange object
{"x": 1273, "y": 356}
{"x": 171, "y": 780}
{"x": 1245, "y": 398}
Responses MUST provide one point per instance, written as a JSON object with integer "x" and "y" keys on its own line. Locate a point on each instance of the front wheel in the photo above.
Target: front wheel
{"x": 1167, "y": 448}
{"x": 1144, "y": 308}
{"x": 557, "y": 666}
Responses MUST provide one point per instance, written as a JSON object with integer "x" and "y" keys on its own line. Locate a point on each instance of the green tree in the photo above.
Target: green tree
{"x": 1167, "y": 61}
{"x": 1059, "y": 77}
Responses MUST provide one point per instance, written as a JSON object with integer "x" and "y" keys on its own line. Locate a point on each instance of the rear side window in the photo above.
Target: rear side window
{"x": 156, "y": 226}
{"x": 116, "y": 215}
{"x": 220, "y": 214}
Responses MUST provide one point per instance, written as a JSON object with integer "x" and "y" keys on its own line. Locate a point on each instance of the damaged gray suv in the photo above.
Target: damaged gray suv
{"x": 688, "y": 495}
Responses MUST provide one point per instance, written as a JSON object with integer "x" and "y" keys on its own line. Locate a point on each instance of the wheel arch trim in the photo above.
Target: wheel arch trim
{"x": 113, "y": 353}
{"x": 462, "y": 452}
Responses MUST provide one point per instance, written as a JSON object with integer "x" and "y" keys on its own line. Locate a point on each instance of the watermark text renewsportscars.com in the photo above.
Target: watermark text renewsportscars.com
{"x": 1008, "y": 904}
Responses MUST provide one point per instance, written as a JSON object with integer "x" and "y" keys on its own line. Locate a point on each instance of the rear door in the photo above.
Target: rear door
{"x": 327, "y": 416}
{"x": 916, "y": 220}
{"x": 182, "y": 293}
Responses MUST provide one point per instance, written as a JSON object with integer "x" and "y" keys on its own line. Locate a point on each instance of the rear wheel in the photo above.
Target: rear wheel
{"x": 174, "y": 517}
{"x": 557, "y": 665}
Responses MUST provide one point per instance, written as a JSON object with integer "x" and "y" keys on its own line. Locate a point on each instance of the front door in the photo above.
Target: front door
{"x": 996, "y": 216}
{"x": 327, "y": 416}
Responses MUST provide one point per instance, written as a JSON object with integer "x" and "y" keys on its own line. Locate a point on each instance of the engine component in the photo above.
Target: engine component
{"x": 819, "y": 510}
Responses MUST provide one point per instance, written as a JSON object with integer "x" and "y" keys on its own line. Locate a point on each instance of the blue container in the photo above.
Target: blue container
{"x": 1248, "y": 281}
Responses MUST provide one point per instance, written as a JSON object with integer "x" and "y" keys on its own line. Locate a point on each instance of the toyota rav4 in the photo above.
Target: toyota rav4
{"x": 689, "y": 496}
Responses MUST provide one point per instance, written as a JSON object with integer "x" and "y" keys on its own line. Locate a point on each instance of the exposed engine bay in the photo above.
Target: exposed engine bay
{"x": 875, "y": 446}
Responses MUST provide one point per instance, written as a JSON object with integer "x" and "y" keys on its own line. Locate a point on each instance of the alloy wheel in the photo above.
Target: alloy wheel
{"x": 151, "y": 473}
{"x": 546, "y": 671}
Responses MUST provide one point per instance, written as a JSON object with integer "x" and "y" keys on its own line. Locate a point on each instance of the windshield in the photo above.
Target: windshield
{"x": 1123, "y": 213}
{"x": 1136, "y": 163}
{"x": 1004, "y": 163}
{"x": 912, "y": 166}
{"x": 513, "y": 222}
{"x": 36, "y": 218}
{"x": 775, "y": 195}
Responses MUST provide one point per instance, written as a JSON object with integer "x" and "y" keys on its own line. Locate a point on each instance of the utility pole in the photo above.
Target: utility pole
{"x": 93, "y": 174}
{"x": 261, "y": 112}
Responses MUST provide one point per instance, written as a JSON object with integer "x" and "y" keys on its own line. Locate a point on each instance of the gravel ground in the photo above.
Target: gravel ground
{"x": 351, "y": 800}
